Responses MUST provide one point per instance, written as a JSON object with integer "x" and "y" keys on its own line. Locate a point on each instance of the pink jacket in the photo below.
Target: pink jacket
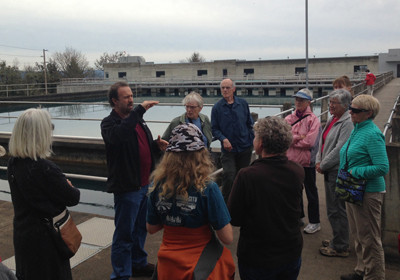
{"x": 304, "y": 150}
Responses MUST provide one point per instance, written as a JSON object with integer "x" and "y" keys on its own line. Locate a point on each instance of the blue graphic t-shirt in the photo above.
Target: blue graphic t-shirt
{"x": 197, "y": 210}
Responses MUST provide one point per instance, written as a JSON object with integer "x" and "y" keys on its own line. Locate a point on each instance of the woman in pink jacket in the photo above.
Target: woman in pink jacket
{"x": 306, "y": 130}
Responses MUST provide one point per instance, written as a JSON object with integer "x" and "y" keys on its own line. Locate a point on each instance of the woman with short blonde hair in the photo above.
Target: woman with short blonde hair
{"x": 364, "y": 157}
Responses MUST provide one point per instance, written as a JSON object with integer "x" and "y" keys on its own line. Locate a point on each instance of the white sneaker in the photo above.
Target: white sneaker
{"x": 312, "y": 228}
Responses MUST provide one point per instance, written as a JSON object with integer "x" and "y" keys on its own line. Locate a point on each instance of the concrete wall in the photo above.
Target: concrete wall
{"x": 390, "y": 61}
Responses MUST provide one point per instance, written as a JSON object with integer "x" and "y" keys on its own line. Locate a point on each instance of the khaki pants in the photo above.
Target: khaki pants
{"x": 365, "y": 227}
{"x": 370, "y": 89}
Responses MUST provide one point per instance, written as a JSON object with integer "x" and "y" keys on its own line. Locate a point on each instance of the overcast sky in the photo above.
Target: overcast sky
{"x": 164, "y": 31}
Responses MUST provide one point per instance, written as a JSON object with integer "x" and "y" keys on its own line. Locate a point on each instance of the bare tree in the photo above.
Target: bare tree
{"x": 72, "y": 64}
{"x": 108, "y": 58}
{"x": 195, "y": 57}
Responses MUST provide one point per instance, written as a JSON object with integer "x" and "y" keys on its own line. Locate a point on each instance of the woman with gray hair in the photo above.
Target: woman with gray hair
{"x": 335, "y": 133}
{"x": 39, "y": 191}
{"x": 266, "y": 203}
{"x": 193, "y": 103}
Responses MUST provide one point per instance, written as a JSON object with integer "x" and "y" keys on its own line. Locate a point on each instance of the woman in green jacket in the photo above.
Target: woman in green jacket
{"x": 193, "y": 103}
{"x": 367, "y": 159}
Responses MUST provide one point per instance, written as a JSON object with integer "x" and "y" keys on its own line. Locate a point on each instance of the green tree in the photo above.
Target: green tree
{"x": 108, "y": 58}
{"x": 9, "y": 74}
{"x": 72, "y": 64}
{"x": 195, "y": 57}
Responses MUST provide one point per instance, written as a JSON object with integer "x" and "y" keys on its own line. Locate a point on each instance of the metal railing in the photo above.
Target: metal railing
{"x": 212, "y": 79}
{"x": 388, "y": 124}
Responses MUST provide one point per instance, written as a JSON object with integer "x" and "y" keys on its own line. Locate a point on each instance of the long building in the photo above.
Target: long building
{"x": 135, "y": 67}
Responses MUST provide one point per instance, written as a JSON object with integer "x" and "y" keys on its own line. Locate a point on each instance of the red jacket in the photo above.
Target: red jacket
{"x": 370, "y": 79}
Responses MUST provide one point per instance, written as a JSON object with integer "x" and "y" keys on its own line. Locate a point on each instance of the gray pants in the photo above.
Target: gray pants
{"x": 232, "y": 163}
{"x": 337, "y": 215}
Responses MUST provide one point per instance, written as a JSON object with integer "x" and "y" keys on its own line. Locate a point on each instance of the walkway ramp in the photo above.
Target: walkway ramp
{"x": 387, "y": 96}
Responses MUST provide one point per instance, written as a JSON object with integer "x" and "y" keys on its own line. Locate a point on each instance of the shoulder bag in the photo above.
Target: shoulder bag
{"x": 65, "y": 234}
{"x": 349, "y": 188}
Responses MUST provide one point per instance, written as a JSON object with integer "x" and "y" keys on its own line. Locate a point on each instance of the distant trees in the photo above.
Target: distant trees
{"x": 9, "y": 74}
{"x": 72, "y": 64}
{"x": 195, "y": 57}
{"x": 108, "y": 58}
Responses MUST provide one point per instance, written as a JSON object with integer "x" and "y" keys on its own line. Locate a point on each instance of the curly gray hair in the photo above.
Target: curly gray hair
{"x": 275, "y": 134}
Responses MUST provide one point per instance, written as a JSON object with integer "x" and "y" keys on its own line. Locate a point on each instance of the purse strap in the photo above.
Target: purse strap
{"x": 299, "y": 119}
{"x": 346, "y": 166}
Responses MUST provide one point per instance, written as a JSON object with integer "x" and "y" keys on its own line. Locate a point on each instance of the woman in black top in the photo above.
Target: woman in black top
{"x": 39, "y": 190}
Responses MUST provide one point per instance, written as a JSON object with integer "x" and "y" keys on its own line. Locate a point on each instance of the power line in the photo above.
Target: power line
{"x": 20, "y": 48}
{"x": 19, "y": 55}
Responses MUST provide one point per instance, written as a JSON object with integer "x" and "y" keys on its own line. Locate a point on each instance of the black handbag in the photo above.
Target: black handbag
{"x": 349, "y": 188}
{"x": 65, "y": 234}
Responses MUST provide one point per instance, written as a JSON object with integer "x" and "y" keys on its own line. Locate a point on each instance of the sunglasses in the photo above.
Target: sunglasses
{"x": 357, "y": 111}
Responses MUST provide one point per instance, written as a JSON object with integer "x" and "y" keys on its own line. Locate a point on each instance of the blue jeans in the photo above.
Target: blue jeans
{"x": 289, "y": 271}
{"x": 127, "y": 249}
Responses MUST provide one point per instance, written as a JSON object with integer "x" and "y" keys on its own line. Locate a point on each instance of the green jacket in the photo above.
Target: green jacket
{"x": 366, "y": 156}
{"x": 205, "y": 127}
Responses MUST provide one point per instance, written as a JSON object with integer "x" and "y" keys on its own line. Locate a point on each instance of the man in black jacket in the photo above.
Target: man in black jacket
{"x": 130, "y": 159}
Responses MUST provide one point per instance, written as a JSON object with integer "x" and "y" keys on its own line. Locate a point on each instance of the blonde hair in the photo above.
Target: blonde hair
{"x": 178, "y": 171}
{"x": 31, "y": 135}
{"x": 369, "y": 103}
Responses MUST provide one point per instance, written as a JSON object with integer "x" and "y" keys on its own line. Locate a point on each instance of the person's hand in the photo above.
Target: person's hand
{"x": 227, "y": 145}
{"x": 69, "y": 182}
{"x": 148, "y": 104}
{"x": 317, "y": 167}
{"x": 302, "y": 137}
{"x": 162, "y": 144}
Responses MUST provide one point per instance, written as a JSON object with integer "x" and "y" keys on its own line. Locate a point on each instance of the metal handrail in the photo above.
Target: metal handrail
{"x": 388, "y": 124}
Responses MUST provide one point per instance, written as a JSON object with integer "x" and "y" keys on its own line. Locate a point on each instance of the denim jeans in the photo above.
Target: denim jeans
{"x": 127, "y": 249}
{"x": 289, "y": 271}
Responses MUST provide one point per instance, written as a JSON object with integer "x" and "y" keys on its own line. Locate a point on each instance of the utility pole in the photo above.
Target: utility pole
{"x": 45, "y": 70}
{"x": 306, "y": 43}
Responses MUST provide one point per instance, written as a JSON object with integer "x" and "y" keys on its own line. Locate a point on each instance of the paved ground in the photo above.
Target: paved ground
{"x": 314, "y": 266}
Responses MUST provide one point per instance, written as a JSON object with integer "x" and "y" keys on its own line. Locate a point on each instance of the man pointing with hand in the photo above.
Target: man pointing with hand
{"x": 130, "y": 159}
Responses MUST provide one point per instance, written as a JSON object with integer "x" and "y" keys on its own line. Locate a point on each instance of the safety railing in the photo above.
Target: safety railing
{"x": 388, "y": 124}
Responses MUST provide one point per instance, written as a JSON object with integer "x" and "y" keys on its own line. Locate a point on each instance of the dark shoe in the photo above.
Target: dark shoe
{"x": 330, "y": 252}
{"x": 145, "y": 271}
{"x": 353, "y": 276}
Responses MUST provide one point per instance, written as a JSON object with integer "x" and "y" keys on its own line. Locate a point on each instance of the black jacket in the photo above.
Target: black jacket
{"x": 39, "y": 190}
{"x": 265, "y": 203}
{"x": 122, "y": 147}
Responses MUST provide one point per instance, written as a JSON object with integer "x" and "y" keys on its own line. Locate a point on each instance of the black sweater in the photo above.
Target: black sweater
{"x": 265, "y": 203}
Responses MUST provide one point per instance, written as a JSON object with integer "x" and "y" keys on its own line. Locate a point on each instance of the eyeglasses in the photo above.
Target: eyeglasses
{"x": 334, "y": 103}
{"x": 298, "y": 99}
{"x": 357, "y": 111}
{"x": 225, "y": 88}
{"x": 191, "y": 107}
